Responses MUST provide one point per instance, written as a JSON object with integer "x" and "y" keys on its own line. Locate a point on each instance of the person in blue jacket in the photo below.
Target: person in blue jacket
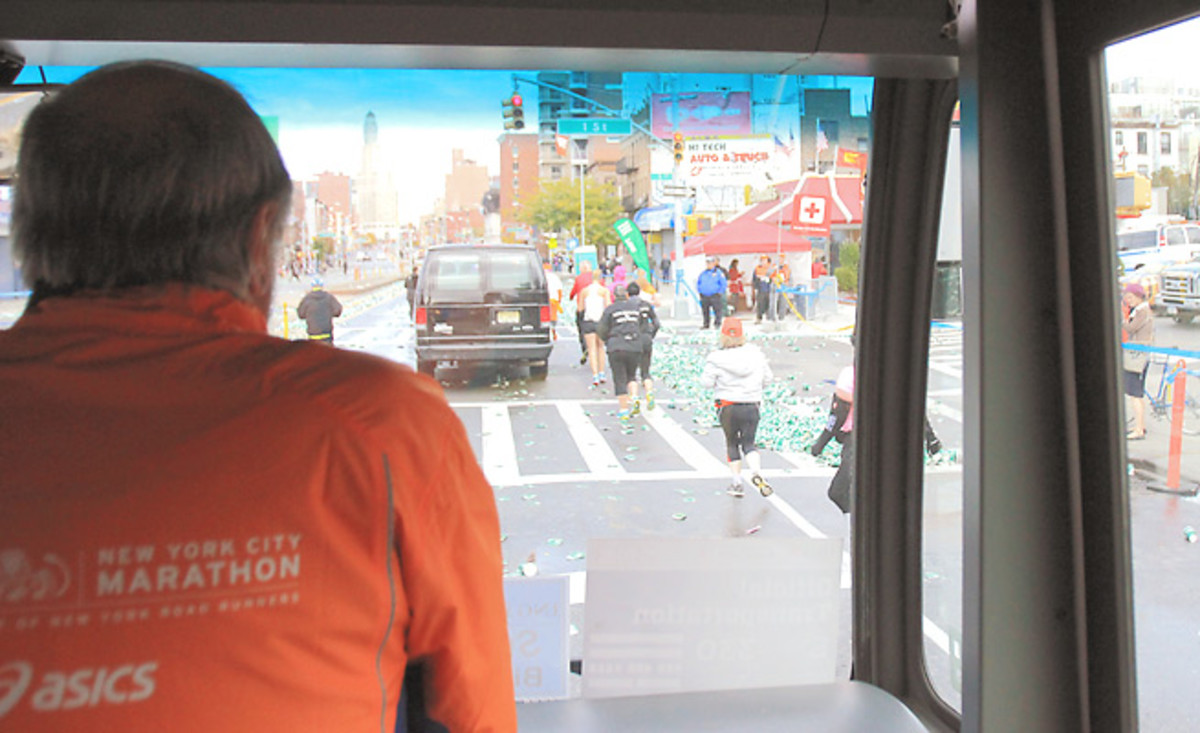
{"x": 711, "y": 287}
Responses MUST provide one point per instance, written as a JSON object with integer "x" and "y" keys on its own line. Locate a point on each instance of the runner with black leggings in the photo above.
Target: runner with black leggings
{"x": 737, "y": 373}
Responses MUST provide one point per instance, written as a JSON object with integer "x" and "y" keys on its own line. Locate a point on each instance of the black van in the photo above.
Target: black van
{"x": 482, "y": 304}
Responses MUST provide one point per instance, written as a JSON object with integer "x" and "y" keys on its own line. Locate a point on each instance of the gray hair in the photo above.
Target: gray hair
{"x": 729, "y": 342}
{"x": 144, "y": 173}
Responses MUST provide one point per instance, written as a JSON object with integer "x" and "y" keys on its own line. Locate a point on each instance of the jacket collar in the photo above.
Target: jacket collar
{"x": 173, "y": 308}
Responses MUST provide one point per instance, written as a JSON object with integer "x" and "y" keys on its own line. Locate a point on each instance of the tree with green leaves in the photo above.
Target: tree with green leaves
{"x": 555, "y": 208}
{"x": 847, "y": 269}
{"x": 1179, "y": 189}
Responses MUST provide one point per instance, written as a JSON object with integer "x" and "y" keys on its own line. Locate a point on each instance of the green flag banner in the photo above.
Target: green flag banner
{"x": 634, "y": 244}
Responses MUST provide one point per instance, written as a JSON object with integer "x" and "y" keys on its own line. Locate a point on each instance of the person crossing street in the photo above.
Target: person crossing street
{"x": 620, "y": 328}
{"x": 737, "y": 373}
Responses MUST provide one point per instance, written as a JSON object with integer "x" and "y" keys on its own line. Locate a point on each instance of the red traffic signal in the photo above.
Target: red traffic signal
{"x": 514, "y": 113}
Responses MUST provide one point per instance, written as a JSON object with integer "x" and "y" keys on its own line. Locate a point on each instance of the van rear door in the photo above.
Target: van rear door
{"x": 489, "y": 293}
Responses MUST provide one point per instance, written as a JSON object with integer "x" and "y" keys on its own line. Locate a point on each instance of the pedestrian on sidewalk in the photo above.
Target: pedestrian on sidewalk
{"x": 711, "y": 288}
{"x": 410, "y": 288}
{"x": 591, "y": 302}
{"x": 318, "y": 308}
{"x": 761, "y": 282}
{"x": 737, "y": 373}
{"x": 737, "y": 288}
{"x": 1139, "y": 327}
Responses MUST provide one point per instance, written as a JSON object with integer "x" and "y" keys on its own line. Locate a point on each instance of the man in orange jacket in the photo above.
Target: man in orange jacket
{"x": 204, "y": 528}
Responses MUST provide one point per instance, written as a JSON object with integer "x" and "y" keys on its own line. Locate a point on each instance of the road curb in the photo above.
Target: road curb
{"x": 1152, "y": 471}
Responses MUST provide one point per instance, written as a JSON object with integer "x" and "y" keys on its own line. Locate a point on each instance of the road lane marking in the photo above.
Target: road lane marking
{"x": 499, "y": 448}
{"x": 688, "y": 448}
{"x": 947, "y": 370}
{"x": 946, "y": 411}
{"x": 592, "y": 446}
{"x": 621, "y": 476}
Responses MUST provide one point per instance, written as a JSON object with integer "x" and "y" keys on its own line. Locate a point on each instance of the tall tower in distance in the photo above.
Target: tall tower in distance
{"x": 376, "y": 194}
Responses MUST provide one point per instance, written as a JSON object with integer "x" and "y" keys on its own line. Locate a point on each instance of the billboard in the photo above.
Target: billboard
{"x": 727, "y": 161}
{"x": 698, "y": 114}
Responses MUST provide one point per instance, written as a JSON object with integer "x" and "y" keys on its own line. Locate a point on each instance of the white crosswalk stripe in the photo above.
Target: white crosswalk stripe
{"x": 501, "y": 464}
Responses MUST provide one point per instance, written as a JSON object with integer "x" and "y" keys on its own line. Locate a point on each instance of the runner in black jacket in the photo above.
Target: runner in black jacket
{"x": 621, "y": 330}
{"x": 649, "y": 331}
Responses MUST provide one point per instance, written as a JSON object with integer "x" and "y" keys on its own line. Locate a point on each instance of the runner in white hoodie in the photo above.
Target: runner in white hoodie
{"x": 737, "y": 373}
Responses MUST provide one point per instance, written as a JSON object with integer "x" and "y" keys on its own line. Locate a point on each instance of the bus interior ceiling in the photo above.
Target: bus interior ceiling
{"x": 1047, "y": 604}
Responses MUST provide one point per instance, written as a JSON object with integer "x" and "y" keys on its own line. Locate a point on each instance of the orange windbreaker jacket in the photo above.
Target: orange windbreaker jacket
{"x": 204, "y": 528}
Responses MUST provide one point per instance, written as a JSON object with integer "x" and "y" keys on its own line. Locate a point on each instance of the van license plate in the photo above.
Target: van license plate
{"x": 1172, "y": 310}
{"x": 508, "y": 317}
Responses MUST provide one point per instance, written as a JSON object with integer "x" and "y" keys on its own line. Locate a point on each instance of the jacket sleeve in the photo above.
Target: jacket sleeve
{"x": 302, "y": 309}
{"x": 708, "y": 377}
{"x": 452, "y": 570}
{"x": 768, "y": 375}
{"x": 337, "y": 307}
{"x": 604, "y": 325}
{"x": 654, "y": 324}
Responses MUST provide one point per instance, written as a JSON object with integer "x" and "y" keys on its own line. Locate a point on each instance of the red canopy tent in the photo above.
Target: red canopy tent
{"x": 745, "y": 235}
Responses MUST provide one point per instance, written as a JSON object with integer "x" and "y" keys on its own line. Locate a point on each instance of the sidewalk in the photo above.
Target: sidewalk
{"x": 344, "y": 286}
{"x": 1150, "y": 458}
{"x": 836, "y": 324}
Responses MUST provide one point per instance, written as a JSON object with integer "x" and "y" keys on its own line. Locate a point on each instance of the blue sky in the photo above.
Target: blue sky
{"x": 422, "y": 114}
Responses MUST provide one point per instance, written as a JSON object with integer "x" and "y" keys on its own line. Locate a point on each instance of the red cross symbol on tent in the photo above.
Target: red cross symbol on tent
{"x": 812, "y": 210}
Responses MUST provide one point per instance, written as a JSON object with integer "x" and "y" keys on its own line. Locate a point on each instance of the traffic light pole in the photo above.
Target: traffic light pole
{"x": 602, "y": 108}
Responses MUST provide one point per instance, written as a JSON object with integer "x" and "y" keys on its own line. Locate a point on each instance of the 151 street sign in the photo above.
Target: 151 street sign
{"x": 595, "y": 126}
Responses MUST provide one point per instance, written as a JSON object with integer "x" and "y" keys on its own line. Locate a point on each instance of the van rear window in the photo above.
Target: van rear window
{"x": 468, "y": 277}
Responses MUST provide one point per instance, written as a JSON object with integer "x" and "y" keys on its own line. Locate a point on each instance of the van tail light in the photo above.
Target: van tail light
{"x": 544, "y": 315}
{"x": 419, "y": 317}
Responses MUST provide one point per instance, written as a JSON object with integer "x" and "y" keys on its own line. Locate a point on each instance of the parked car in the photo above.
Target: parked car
{"x": 482, "y": 305}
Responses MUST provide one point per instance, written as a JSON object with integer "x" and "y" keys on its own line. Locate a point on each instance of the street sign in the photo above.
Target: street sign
{"x": 678, "y": 191}
{"x": 595, "y": 126}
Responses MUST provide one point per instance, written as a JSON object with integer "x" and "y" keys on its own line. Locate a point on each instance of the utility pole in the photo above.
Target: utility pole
{"x": 582, "y": 208}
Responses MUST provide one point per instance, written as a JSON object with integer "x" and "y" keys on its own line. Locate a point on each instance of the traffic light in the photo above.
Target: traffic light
{"x": 514, "y": 112}
{"x": 678, "y": 148}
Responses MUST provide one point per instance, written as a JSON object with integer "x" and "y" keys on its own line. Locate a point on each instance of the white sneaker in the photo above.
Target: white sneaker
{"x": 736, "y": 490}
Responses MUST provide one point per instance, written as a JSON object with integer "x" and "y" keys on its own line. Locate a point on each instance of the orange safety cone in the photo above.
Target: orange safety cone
{"x": 1175, "y": 446}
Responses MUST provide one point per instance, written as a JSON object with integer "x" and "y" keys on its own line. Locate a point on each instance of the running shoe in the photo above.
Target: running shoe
{"x": 624, "y": 415}
{"x": 736, "y": 490}
{"x": 636, "y": 409}
{"x": 649, "y": 400}
{"x": 761, "y": 484}
{"x": 595, "y": 380}
{"x": 603, "y": 378}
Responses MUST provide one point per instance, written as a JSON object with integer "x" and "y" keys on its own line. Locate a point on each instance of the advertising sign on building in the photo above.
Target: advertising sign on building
{"x": 696, "y": 114}
{"x": 727, "y": 161}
